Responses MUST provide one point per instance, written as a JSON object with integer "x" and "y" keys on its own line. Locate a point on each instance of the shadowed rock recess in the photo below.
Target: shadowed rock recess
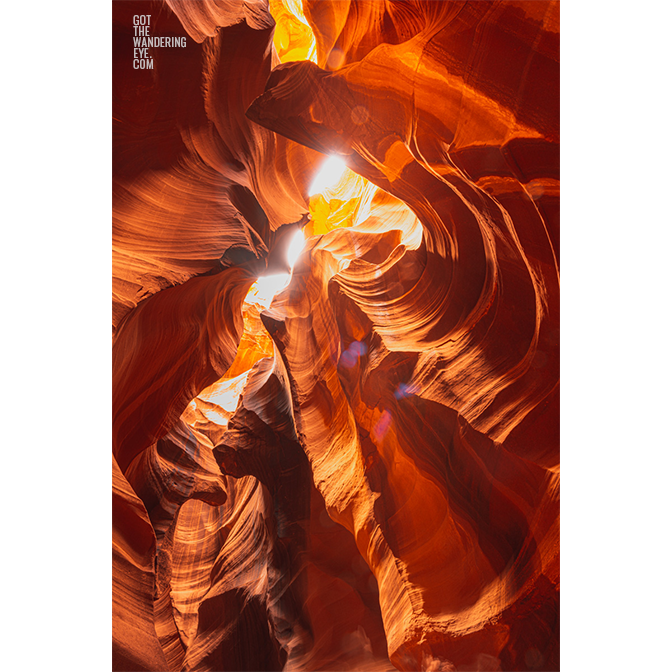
{"x": 336, "y": 395}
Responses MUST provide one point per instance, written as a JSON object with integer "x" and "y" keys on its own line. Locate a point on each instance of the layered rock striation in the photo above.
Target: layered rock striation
{"x": 361, "y": 471}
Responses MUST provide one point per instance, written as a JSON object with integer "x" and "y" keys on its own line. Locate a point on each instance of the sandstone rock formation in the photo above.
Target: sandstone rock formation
{"x": 361, "y": 471}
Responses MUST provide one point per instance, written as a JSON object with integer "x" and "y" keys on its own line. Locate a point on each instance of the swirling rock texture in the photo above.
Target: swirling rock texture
{"x": 362, "y": 474}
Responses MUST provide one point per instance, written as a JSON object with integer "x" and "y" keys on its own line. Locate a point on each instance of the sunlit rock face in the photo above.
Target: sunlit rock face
{"x": 335, "y": 337}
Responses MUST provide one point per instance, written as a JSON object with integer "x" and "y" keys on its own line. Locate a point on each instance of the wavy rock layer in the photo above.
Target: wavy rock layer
{"x": 364, "y": 475}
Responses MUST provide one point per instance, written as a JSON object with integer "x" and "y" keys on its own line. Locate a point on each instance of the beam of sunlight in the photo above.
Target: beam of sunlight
{"x": 328, "y": 176}
{"x": 338, "y": 198}
{"x": 266, "y": 287}
{"x": 295, "y": 248}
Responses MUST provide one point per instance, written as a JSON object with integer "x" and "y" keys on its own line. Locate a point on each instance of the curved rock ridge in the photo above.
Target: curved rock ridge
{"x": 197, "y": 187}
{"x": 361, "y": 470}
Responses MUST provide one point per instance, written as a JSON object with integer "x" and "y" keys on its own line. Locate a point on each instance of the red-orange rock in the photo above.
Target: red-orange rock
{"x": 364, "y": 475}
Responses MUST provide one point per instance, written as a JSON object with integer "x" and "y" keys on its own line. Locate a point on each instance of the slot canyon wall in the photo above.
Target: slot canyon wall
{"x": 360, "y": 470}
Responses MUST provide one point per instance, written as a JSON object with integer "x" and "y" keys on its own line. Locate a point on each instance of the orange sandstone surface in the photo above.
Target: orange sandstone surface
{"x": 336, "y": 336}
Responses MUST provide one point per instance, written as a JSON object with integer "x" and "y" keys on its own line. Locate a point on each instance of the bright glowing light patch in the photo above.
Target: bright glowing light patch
{"x": 225, "y": 395}
{"x": 295, "y": 248}
{"x": 294, "y": 39}
{"x": 264, "y": 289}
{"x": 329, "y": 175}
